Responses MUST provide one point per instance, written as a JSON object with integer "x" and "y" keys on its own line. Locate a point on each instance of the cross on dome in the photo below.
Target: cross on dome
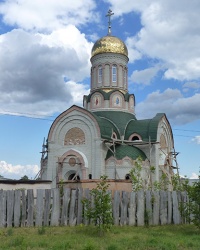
{"x": 109, "y": 14}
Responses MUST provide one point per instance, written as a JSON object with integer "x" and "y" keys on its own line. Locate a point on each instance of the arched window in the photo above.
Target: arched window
{"x": 135, "y": 137}
{"x": 100, "y": 71}
{"x": 114, "y": 73}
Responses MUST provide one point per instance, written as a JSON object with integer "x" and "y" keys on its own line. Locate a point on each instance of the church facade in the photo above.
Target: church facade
{"x": 104, "y": 137}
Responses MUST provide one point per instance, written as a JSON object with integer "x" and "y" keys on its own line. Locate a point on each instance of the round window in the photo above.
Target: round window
{"x": 72, "y": 161}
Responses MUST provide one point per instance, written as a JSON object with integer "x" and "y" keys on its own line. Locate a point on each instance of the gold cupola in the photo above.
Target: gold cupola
{"x": 109, "y": 44}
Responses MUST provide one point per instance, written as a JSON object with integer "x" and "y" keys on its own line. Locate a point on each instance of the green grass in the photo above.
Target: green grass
{"x": 169, "y": 237}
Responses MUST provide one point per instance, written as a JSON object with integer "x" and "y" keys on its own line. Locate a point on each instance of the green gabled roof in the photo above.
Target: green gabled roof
{"x": 119, "y": 118}
{"x": 106, "y": 127}
{"x": 122, "y": 151}
{"x": 107, "y": 95}
{"x": 147, "y": 128}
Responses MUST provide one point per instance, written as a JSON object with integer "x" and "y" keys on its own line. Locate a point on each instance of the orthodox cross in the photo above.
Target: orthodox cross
{"x": 109, "y": 14}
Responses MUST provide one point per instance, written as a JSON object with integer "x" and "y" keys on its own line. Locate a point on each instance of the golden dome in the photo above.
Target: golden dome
{"x": 109, "y": 44}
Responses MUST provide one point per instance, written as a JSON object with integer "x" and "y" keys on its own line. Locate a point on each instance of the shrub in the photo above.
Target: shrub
{"x": 99, "y": 207}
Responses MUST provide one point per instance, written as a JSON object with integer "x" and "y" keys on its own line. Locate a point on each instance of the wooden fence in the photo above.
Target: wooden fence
{"x": 48, "y": 208}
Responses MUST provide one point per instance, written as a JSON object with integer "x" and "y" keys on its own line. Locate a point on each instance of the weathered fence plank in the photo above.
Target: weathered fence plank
{"x": 169, "y": 207}
{"x": 116, "y": 204}
{"x": 2, "y": 208}
{"x": 39, "y": 207}
{"x": 47, "y": 204}
{"x": 65, "y": 206}
{"x": 140, "y": 208}
{"x": 176, "y": 212}
{"x": 124, "y": 208}
{"x": 72, "y": 215}
{"x": 23, "y": 209}
{"x": 17, "y": 208}
{"x": 156, "y": 207}
{"x": 30, "y": 207}
{"x": 55, "y": 214}
{"x": 184, "y": 200}
{"x": 149, "y": 209}
{"x": 80, "y": 206}
{"x": 88, "y": 197}
{"x": 163, "y": 207}
{"x": 132, "y": 209}
{"x": 10, "y": 207}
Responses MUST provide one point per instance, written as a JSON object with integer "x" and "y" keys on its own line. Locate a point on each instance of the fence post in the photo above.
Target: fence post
{"x": 2, "y": 208}
{"x": 65, "y": 206}
{"x": 72, "y": 216}
{"x": 47, "y": 203}
{"x": 55, "y": 215}
{"x": 39, "y": 207}
{"x": 116, "y": 204}
{"x": 132, "y": 209}
{"x": 140, "y": 208}
{"x": 176, "y": 213}
{"x": 156, "y": 207}
{"x": 30, "y": 207}
{"x": 17, "y": 209}
{"x": 10, "y": 207}
{"x": 163, "y": 207}
{"x": 149, "y": 210}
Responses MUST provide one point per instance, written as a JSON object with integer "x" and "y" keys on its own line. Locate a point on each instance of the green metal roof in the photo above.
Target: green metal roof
{"x": 119, "y": 118}
{"x": 106, "y": 127}
{"x": 147, "y": 128}
{"x": 122, "y": 151}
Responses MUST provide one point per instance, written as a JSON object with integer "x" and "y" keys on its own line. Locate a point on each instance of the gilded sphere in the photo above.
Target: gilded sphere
{"x": 109, "y": 44}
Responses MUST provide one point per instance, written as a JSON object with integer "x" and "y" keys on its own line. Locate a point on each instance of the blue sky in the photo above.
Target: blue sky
{"x": 45, "y": 51}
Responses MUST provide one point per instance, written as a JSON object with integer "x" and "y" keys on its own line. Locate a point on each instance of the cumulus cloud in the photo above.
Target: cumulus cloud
{"x": 17, "y": 171}
{"x": 47, "y": 15}
{"x": 194, "y": 176}
{"x": 196, "y": 139}
{"x": 170, "y": 33}
{"x": 179, "y": 110}
{"x": 33, "y": 68}
{"x": 144, "y": 76}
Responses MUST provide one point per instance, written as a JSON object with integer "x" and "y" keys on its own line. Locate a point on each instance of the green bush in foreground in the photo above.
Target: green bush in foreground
{"x": 99, "y": 207}
{"x": 191, "y": 209}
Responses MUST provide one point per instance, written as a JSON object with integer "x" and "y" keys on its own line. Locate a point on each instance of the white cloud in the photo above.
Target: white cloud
{"x": 17, "y": 171}
{"x": 196, "y": 139}
{"x": 33, "y": 68}
{"x": 144, "y": 76}
{"x": 47, "y": 14}
{"x": 178, "y": 109}
{"x": 170, "y": 33}
{"x": 194, "y": 176}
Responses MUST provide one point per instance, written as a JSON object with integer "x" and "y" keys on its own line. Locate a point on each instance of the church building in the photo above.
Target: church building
{"x": 104, "y": 137}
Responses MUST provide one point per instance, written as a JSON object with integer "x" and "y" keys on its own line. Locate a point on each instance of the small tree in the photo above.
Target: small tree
{"x": 135, "y": 175}
{"x": 100, "y": 210}
{"x": 191, "y": 209}
{"x": 24, "y": 178}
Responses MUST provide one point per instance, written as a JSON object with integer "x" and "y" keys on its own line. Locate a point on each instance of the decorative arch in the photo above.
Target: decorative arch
{"x": 117, "y": 100}
{"x": 81, "y": 160}
{"x": 97, "y": 100}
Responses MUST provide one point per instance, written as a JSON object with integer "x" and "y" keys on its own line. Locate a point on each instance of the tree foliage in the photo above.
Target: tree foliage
{"x": 191, "y": 208}
{"x": 99, "y": 208}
